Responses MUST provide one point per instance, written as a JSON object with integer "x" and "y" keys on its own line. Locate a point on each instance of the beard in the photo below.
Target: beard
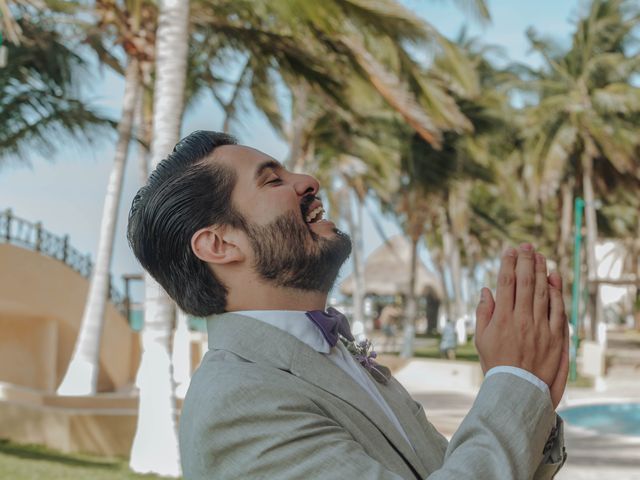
{"x": 290, "y": 255}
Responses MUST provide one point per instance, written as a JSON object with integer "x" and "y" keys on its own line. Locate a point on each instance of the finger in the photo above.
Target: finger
{"x": 484, "y": 311}
{"x": 567, "y": 335}
{"x": 559, "y": 384}
{"x": 555, "y": 280}
{"x": 557, "y": 317}
{"x": 525, "y": 281}
{"x": 506, "y": 282}
{"x": 541, "y": 296}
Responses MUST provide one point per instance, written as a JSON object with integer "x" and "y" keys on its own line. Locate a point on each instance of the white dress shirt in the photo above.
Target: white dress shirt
{"x": 296, "y": 323}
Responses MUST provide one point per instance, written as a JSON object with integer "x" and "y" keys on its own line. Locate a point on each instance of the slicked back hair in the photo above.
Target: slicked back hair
{"x": 186, "y": 192}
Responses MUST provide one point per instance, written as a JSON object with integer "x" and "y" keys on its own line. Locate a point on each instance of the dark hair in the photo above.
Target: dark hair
{"x": 185, "y": 192}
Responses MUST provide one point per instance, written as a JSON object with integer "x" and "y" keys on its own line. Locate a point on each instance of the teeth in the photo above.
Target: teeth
{"x": 315, "y": 212}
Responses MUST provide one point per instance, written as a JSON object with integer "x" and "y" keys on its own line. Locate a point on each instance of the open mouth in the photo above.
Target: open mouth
{"x": 312, "y": 210}
{"x": 315, "y": 215}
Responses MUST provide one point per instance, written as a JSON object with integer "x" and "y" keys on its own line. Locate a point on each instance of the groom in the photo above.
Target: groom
{"x": 231, "y": 234}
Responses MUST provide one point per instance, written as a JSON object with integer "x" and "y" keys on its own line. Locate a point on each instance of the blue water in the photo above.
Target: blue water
{"x": 618, "y": 418}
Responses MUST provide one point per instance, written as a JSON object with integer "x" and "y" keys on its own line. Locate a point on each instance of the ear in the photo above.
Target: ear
{"x": 217, "y": 245}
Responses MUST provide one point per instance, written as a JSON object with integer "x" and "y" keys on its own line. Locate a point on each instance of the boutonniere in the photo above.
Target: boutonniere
{"x": 363, "y": 352}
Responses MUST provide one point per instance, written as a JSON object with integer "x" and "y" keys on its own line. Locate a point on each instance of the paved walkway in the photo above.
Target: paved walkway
{"x": 591, "y": 456}
{"x": 594, "y": 456}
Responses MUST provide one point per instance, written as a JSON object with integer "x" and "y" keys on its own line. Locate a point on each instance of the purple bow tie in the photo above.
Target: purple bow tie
{"x": 331, "y": 323}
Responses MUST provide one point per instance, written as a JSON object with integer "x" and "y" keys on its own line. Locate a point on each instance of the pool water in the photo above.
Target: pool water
{"x": 617, "y": 418}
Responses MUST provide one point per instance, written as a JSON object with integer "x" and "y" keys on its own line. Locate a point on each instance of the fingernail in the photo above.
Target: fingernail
{"x": 511, "y": 252}
{"x": 539, "y": 258}
{"x": 482, "y": 296}
{"x": 527, "y": 247}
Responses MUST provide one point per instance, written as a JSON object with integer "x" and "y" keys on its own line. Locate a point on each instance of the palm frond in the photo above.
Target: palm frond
{"x": 478, "y": 8}
{"x": 263, "y": 87}
{"x": 39, "y": 104}
{"x": 397, "y": 94}
{"x": 617, "y": 98}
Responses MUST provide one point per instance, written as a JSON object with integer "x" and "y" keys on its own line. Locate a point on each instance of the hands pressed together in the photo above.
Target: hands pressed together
{"x": 526, "y": 325}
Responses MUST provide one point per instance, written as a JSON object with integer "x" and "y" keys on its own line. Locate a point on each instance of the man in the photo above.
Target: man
{"x": 229, "y": 233}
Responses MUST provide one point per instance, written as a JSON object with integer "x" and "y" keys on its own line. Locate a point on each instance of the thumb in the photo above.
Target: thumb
{"x": 484, "y": 310}
{"x": 560, "y": 383}
{"x": 555, "y": 280}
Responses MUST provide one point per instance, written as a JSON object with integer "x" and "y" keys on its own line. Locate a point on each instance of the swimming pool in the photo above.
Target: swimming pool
{"x": 617, "y": 418}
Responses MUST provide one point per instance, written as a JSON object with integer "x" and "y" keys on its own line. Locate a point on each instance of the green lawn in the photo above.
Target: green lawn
{"x": 465, "y": 352}
{"x": 32, "y": 462}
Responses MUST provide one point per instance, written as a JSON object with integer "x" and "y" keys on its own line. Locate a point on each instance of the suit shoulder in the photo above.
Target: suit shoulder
{"x": 224, "y": 377}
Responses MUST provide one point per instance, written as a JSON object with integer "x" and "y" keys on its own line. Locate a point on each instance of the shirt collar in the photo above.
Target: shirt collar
{"x": 294, "y": 322}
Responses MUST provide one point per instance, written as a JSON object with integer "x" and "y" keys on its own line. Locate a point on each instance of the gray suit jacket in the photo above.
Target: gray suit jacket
{"x": 262, "y": 404}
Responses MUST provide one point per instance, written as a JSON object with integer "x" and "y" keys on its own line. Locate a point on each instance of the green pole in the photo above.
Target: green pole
{"x": 575, "y": 294}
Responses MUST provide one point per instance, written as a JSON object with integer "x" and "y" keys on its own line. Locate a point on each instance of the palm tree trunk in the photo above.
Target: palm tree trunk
{"x": 412, "y": 306}
{"x": 155, "y": 445}
{"x": 594, "y": 306}
{"x": 355, "y": 227}
{"x": 564, "y": 248}
{"x": 81, "y": 377}
{"x": 452, "y": 255}
{"x": 565, "y": 245}
{"x": 145, "y": 118}
{"x": 440, "y": 265}
{"x": 181, "y": 355}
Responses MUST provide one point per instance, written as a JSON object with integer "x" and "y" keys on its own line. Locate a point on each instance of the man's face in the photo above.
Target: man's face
{"x": 293, "y": 245}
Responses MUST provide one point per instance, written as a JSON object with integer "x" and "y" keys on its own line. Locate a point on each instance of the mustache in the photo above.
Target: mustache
{"x": 306, "y": 202}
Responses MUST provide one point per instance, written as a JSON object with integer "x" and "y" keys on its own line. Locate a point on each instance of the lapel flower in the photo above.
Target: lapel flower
{"x": 363, "y": 352}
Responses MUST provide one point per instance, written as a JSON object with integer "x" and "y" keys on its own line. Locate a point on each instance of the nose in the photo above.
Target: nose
{"x": 306, "y": 184}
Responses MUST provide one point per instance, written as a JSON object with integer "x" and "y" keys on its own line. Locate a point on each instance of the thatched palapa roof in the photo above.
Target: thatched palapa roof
{"x": 387, "y": 272}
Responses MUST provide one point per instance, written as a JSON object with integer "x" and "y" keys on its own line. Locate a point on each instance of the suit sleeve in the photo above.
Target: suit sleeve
{"x": 226, "y": 435}
{"x": 504, "y": 435}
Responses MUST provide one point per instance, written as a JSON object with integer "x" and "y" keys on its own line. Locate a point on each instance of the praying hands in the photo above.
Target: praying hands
{"x": 526, "y": 325}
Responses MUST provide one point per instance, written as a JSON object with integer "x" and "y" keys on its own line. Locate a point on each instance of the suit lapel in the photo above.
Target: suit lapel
{"x": 411, "y": 425}
{"x": 261, "y": 343}
{"x": 323, "y": 373}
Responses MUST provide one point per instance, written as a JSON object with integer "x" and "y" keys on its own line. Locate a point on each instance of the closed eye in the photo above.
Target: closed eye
{"x": 274, "y": 181}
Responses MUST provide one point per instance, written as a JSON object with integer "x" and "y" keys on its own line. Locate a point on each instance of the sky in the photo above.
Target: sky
{"x": 65, "y": 190}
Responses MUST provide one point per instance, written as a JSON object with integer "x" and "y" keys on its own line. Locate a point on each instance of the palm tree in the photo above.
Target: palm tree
{"x": 346, "y": 39}
{"x": 81, "y": 376}
{"x": 351, "y": 148}
{"x": 39, "y": 100}
{"x": 390, "y": 74}
{"x": 155, "y": 446}
{"x": 427, "y": 105}
{"x": 448, "y": 188}
{"x": 586, "y": 115}
{"x": 470, "y": 232}
{"x": 343, "y": 36}
{"x": 414, "y": 210}
{"x": 129, "y": 26}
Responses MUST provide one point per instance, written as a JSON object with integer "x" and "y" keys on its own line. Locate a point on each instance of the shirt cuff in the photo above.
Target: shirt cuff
{"x": 519, "y": 372}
